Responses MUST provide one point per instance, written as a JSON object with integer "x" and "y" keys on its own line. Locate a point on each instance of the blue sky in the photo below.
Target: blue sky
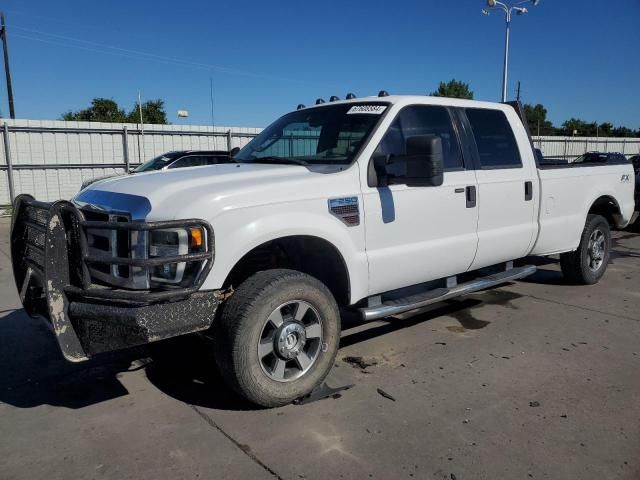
{"x": 577, "y": 57}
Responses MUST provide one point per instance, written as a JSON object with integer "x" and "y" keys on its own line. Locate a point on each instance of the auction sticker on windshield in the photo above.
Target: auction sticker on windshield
{"x": 374, "y": 109}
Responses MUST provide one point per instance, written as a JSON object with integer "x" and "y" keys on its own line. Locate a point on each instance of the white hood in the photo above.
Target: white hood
{"x": 168, "y": 195}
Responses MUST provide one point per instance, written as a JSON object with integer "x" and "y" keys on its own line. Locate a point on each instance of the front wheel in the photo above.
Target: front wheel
{"x": 588, "y": 263}
{"x": 277, "y": 336}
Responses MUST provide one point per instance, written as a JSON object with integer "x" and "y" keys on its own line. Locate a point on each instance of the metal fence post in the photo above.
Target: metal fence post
{"x": 125, "y": 148}
{"x": 229, "y": 138}
{"x": 7, "y": 156}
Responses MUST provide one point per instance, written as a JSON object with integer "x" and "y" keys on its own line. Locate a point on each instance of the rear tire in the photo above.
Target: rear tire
{"x": 588, "y": 263}
{"x": 277, "y": 336}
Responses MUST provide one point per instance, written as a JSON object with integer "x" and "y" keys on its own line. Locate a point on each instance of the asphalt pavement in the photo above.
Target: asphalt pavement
{"x": 536, "y": 379}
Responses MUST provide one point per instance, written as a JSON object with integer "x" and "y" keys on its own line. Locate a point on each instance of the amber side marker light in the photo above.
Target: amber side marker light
{"x": 196, "y": 237}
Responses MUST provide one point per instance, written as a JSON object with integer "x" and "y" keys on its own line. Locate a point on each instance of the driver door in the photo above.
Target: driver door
{"x": 417, "y": 234}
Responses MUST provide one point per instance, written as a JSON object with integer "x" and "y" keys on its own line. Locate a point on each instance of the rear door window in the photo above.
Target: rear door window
{"x": 497, "y": 147}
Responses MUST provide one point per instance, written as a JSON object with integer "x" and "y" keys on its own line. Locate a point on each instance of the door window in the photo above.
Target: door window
{"x": 190, "y": 161}
{"x": 494, "y": 138}
{"x": 423, "y": 120}
{"x": 213, "y": 160}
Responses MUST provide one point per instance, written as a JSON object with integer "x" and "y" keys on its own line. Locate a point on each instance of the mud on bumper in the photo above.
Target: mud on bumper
{"x": 49, "y": 255}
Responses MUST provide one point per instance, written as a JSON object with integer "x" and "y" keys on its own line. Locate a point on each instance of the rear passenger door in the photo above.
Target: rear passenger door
{"x": 507, "y": 188}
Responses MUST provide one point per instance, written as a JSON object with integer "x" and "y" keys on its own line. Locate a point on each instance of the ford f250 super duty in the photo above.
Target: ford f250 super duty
{"x": 381, "y": 205}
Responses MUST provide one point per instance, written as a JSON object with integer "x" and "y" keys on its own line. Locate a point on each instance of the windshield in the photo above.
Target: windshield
{"x": 327, "y": 135}
{"x": 155, "y": 164}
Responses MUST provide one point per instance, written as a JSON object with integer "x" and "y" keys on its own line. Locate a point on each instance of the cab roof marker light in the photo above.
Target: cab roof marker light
{"x": 383, "y": 93}
{"x": 319, "y": 101}
{"x": 334, "y": 98}
{"x": 350, "y": 96}
{"x": 300, "y": 106}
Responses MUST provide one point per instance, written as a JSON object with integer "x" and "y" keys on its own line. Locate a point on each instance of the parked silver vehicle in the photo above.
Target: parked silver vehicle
{"x": 171, "y": 160}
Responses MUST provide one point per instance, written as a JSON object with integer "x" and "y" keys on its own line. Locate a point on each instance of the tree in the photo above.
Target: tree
{"x": 453, "y": 89}
{"x": 537, "y": 120}
{"x": 624, "y": 132}
{"x": 605, "y": 129}
{"x": 575, "y": 126}
{"x": 107, "y": 110}
{"x": 152, "y": 112}
{"x": 101, "y": 110}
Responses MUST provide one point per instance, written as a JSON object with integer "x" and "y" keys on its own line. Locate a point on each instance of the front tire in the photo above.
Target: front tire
{"x": 588, "y": 263}
{"x": 277, "y": 336}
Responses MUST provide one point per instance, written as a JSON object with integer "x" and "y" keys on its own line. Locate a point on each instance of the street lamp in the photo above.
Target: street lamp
{"x": 507, "y": 9}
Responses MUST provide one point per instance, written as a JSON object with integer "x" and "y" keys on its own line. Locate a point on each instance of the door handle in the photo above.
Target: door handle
{"x": 471, "y": 196}
{"x": 528, "y": 191}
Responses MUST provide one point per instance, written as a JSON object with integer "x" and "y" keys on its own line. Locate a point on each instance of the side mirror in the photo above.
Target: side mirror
{"x": 234, "y": 151}
{"x": 421, "y": 166}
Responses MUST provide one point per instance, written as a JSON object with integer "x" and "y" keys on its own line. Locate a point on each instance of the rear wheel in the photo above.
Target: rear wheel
{"x": 588, "y": 263}
{"x": 277, "y": 336}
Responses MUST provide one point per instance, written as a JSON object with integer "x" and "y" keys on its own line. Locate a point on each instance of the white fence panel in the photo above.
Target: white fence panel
{"x": 51, "y": 159}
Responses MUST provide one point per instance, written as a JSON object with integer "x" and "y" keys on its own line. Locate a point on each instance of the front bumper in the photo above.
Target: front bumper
{"x": 50, "y": 260}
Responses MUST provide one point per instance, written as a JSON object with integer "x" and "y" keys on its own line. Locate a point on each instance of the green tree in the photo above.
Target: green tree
{"x": 453, "y": 89}
{"x": 605, "y": 129}
{"x": 107, "y": 110}
{"x": 580, "y": 128}
{"x": 101, "y": 110}
{"x": 152, "y": 112}
{"x": 624, "y": 132}
{"x": 537, "y": 120}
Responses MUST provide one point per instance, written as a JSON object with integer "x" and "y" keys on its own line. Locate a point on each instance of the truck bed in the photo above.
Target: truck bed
{"x": 566, "y": 195}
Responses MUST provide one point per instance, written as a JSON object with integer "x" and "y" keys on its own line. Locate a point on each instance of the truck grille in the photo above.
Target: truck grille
{"x": 103, "y": 255}
{"x": 115, "y": 244}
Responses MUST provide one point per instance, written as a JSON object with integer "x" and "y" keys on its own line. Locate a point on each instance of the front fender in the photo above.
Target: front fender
{"x": 238, "y": 231}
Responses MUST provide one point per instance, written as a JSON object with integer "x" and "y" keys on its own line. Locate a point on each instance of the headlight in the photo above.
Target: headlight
{"x": 170, "y": 243}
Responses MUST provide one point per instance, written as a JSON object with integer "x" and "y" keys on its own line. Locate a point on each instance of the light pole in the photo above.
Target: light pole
{"x": 507, "y": 9}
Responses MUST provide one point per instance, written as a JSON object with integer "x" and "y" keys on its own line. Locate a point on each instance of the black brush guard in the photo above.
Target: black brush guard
{"x": 50, "y": 259}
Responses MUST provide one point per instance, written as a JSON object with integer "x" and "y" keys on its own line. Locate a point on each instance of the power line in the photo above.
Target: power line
{"x": 137, "y": 54}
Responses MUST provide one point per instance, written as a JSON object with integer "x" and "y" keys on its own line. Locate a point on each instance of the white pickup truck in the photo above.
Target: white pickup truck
{"x": 382, "y": 205}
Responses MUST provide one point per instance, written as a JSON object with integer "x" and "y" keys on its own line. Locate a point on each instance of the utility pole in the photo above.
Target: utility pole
{"x": 518, "y": 92}
{"x": 3, "y": 33}
{"x": 213, "y": 123}
{"x": 141, "y": 127}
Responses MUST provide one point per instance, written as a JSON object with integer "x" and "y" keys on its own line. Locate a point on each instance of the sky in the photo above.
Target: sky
{"x": 579, "y": 58}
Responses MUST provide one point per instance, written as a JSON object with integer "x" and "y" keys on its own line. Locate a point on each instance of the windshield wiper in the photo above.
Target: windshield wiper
{"x": 279, "y": 160}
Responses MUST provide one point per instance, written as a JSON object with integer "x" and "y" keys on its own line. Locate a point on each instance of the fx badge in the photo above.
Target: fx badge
{"x": 346, "y": 209}
{"x": 625, "y": 178}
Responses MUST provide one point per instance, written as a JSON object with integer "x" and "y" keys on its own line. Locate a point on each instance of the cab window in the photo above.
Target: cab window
{"x": 423, "y": 120}
{"x": 494, "y": 138}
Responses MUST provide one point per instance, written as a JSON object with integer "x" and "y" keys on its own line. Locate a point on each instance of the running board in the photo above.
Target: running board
{"x": 420, "y": 300}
